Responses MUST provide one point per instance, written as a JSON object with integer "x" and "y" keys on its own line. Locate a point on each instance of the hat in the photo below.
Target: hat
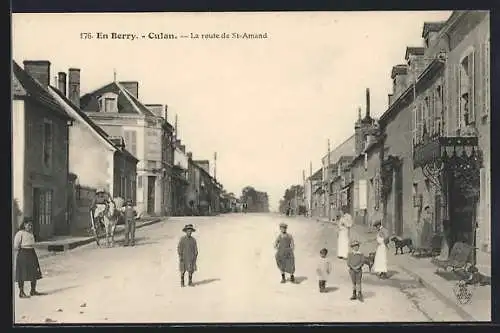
{"x": 188, "y": 227}
{"x": 283, "y": 225}
{"x": 354, "y": 243}
{"x": 377, "y": 223}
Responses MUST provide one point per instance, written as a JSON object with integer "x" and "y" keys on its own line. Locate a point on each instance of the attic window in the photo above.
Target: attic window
{"x": 108, "y": 103}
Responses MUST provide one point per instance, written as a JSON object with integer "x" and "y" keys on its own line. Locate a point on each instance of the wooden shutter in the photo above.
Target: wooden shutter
{"x": 486, "y": 75}
{"x": 458, "y": 112}
{"x": 472, "y": 86}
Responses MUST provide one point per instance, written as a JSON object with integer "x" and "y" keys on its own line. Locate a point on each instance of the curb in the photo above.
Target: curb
{"x": 440, "y": 295}
{"x": 71, "y": 246}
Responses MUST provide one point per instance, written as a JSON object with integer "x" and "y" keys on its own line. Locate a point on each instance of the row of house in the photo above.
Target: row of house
{"x": 429, "y": 148}
{"x": 65, "y": 146}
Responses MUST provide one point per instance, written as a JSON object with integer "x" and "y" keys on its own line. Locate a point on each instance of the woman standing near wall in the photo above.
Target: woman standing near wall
{"x": 27, "y": 265}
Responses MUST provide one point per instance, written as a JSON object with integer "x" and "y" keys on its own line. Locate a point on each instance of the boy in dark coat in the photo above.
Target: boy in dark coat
{"x": 129, "y": 215}
{"x": 355, "y": 261}
{"x": 188, "y": 253}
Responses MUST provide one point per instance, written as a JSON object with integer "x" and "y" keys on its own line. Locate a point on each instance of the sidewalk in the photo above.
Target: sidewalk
{"x": 65, "y": 243}
{"x": 478, "y": 309}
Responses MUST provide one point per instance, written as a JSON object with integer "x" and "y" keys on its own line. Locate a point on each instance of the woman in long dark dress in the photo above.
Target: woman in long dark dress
{"x": 27, "y": 265}
{"x": 285, "y": 258}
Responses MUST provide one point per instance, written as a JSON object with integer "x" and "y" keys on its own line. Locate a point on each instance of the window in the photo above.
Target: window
{"x": 47, "y": 145}
{"x": 438, "y": 110}
{"x": 45, "y": 207}
{"x": 419, "y": 122}
{"x": 131, "y": 142}
{"x": 108, "y": 102}
{"x": 465, "y": 111}
{"x": 486, "y": 75}
{"x": 426, "y": 115}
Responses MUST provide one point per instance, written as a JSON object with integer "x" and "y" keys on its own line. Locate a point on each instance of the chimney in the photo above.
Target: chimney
{"x": 39, "y": 70}
{"x": 399, "y": 80}
{"x": 367, "y": 103}
{"x": 74, "y": 86}
{"x": 165, "y": 113}
{"x": 190, "y": 155}
{"x": 389, "y": 100}
{"x": 61, "y": 82}
{"x": 132, "y": 87}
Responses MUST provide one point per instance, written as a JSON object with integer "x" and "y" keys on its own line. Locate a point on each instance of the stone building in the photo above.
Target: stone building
{"x": 365, "y": 169}
{"x": 40, "y": 149}
{"x": 95, "y": 159}
{"x": 116, "y": 108}
{"x": 452, "y": 129}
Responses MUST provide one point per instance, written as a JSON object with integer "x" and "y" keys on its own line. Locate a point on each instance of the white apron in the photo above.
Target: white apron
{"x": 345, "y": 223}
{"x": 380, "y": 262}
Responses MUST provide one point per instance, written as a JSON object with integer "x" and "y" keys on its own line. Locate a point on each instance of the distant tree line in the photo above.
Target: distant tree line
{"x": 292, "y": 201}
{"x": 256, "y": 201}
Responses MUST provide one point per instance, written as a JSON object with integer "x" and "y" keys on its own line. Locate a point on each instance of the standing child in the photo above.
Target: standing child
{"x": 285, "y": 259}
{"x": 324, "y": 268}
{"x": 355, "y": 261}
{"x": 188, "y": 253}
{"x": 129, "y": 215}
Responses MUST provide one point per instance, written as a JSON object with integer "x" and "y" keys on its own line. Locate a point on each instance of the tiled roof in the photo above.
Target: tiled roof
{"x": 26, "y": 86}
{"x": 127, "y": 103}
{"x": 94, "y": 126}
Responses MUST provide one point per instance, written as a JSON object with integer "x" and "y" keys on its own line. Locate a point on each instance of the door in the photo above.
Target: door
{"x": 42, "y": 213}
{"x": 36, "y": 213}
{"x": 398, "y": 201}
{"x": 151, "y": 194}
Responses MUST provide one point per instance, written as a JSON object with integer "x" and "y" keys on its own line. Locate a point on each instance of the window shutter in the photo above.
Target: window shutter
{"x": 414, "y": 124}
{"x": 472, "y": 89}
{"x": 486, "y": 53}
{"x": 458, "y": 113}
{"x": 363, "y": 194}
{"x": 134, "y": 142}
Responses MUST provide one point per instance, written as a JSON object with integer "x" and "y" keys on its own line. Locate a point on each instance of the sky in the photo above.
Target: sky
{"x": 266, "y": 106}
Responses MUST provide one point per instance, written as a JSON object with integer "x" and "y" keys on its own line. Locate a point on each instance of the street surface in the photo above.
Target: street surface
{"x": 237, "y": 280}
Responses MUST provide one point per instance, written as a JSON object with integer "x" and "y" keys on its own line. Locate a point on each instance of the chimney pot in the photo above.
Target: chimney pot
{"x": 39, "y": 70}
{"x": 61, "y": 82}
{"x": 74, "y": 86}
{"x": 132, "y": 87}
{"x": 367, "y": 102}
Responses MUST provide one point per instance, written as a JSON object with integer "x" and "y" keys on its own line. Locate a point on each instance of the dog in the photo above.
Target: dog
{"x": 400, "y": 243}
{"x": 369, "y": 260}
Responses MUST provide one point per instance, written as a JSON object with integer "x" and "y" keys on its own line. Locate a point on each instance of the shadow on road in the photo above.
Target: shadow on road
{"x": 206, "y": 281}
{"x": 57, "y": 290}
{"x": 300, "y": 279}
{"x": 331, "y": 289}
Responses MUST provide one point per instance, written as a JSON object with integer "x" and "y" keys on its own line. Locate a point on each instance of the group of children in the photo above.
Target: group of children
{"x": 284, "y": 245}
{"x": 355, "y": 262}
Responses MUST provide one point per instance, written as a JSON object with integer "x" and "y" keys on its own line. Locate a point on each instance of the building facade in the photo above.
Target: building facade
{"x": 116, "y": 109}
{"x": 455, "y": 158}
{"x": 40, "y": 129}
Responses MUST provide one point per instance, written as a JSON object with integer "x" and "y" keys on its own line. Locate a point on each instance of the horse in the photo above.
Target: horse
{"x": 110, "y": 214}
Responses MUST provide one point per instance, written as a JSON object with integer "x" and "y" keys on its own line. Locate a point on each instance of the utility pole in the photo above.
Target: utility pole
{"x": 175, "y": 128}
{"x": 328, "y": 182}
{"x": 215, "y": 165}
{"x": 114, "y": 74}
{"x": 310, "y": 188}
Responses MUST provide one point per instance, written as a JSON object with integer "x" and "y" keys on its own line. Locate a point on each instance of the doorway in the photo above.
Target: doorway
{"x": 398, "y": 200}
{"x": 151, "y": 194}
{"x": 42, "y": 213}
